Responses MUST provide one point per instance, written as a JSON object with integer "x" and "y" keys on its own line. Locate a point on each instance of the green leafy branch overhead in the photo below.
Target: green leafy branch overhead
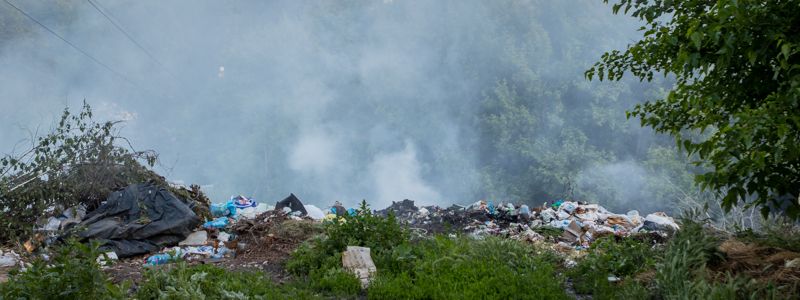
{"x": 736, "y": 101}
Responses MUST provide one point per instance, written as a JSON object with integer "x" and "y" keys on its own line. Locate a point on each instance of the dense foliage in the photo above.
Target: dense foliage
{"x": 737, "y": 94}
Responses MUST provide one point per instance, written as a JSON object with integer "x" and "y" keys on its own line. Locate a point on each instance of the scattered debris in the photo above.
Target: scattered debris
{"x": 197, "y": 238}
{"x": 9, "y": 258}
{"x": 358, "y": 261}
{"x": 107, "y": 259}
{"x": 581, "y": 223}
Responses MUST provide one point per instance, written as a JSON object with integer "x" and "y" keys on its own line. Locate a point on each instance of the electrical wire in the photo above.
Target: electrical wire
{"x": 75, "y": 47}
{"x": 119, "y": 27}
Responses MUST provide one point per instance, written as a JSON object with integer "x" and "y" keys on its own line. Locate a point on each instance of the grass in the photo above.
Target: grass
{"x": 624, "y": 258}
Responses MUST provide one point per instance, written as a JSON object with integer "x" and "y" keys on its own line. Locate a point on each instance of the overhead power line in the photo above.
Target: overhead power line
{"x": 120, "y": 75}
{"x": 97, "y": 7}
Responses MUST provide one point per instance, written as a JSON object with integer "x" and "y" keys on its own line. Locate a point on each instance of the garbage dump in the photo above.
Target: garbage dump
{"x": 140, "y": 219}
{"x": 242, "y": 226}
{"x": 581, "y": 223}
{"x": 148, "y": 220}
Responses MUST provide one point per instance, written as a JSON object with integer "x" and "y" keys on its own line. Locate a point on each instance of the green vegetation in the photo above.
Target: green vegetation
{"x": 437, "y": 267}
{"x": 608, "y": 257}
{"x": 736, "y": 99}
{"x": 72, "y": 273}
{"x": 384, "y": 236}
{"x": 681, "y": 270}
{"x": 684, "y": 273}
{"x": 79, "y": 162}
{"x": 210, "y": 282}
{"x": 494, "y": 268}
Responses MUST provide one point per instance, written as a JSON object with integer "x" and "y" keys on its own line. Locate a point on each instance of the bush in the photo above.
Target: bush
{"x": 73, "y": 273}
{"x": 365, "y": 229}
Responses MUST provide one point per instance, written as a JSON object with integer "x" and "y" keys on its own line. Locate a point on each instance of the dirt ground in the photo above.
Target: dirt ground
{"x": 263, "y": 244}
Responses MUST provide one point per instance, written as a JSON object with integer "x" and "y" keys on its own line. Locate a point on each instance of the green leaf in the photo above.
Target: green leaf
{"x": 697, "y": 39}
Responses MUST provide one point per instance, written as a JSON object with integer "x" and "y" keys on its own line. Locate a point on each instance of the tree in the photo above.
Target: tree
{"x": 735, "y": 104}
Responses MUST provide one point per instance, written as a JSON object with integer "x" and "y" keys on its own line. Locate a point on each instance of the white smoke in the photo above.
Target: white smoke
{"x": 397, "y": 176}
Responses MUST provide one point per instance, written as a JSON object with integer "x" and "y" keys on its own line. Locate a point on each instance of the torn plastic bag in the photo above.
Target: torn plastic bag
{"x": 223, "y": 209}
{"x": 293, "y": 203}
{"x": 314, "y": 212}
{"x": 660, "y": 222}
{"x": 142, "y": 218}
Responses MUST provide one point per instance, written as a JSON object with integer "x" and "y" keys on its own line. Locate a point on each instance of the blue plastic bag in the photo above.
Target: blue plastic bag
{"x": 223, "y": 209}
{"x": 216, "y": 223}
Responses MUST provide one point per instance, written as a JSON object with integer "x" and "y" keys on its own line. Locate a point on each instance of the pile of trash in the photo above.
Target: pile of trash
{"x": 581, "y": 223}
{"x": 236, "y": 225}
{"x": 148, "y": 220}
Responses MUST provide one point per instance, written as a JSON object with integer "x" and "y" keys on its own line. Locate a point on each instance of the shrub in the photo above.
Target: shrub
{"x": 73, "y": 273}
{"x": 381, "y": 235}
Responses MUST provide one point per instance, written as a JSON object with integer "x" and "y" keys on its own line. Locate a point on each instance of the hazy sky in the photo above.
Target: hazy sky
{"x": 265, "y": 98}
